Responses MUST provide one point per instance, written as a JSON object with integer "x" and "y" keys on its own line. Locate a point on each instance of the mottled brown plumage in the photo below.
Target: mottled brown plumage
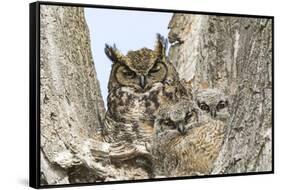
{"x": 185, "y": 142}
{"x": 139, "y": 83}
{"x": 214, "y": 103}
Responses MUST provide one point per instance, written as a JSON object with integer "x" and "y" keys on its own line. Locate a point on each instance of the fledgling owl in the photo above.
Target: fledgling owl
{"x": 184, "y": 143}
{"x": 139, "y": 83}
{"x": 214, "y": 103}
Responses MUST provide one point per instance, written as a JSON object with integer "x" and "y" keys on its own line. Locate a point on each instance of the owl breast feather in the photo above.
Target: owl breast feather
{"x": 125, "y": 104}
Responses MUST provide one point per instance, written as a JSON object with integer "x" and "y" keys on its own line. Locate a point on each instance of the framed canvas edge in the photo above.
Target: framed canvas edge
{"x": 272, "y": 101}
{"x": 34, "y": 93}
{"x": 151, "y": 9}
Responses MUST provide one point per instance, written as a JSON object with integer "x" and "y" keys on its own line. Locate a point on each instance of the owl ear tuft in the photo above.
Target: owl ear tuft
{"x": 113, "y": 53}
{"x": 161, "y": 45}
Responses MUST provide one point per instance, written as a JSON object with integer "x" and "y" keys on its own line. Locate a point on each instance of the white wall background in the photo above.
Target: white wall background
{"x": 14, "y": 94}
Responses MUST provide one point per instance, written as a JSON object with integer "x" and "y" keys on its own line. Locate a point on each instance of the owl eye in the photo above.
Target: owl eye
{"x": 188, "y": 116}
{"x": 168, "y": 122}
{"x": 204, "y": 106}
{"x": 221, "y": 105}
{"x": 129, "y": 74}
{"x": 155, "y": 69}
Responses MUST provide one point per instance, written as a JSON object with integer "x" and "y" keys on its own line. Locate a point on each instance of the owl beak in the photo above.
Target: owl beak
{"x": 181, "y": 128}
{"x": 142, "y": 81}
{"x": 213, "y": 113}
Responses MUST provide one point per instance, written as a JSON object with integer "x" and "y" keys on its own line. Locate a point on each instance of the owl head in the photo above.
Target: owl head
{"x": 213, "y": 103}
{"x": 177, "y": 118}
{"x": 140, "y": 69}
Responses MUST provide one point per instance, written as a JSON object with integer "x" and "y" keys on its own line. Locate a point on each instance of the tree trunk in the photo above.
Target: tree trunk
{"x": 72, "y": 108}
{"x": 233, "y": 54}
{"x": 208, "y": 51}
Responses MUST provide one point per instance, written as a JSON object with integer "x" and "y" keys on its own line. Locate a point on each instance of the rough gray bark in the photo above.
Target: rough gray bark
{"x": 72, "y": 109}
{"x": 71, "y": 104}
{"x": 207, "y": 51}
{"x": 234, "y": 54}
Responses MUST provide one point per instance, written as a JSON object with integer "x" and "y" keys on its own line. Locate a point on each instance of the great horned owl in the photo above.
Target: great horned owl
{"x": 214, "y": 103}
{"x": 139, "y": 83}
{"x": 184, "y": 143}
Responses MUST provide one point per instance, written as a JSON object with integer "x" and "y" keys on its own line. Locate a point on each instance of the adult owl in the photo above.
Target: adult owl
{"x": 185, "y": 142}
{"x": 139, "y": 83}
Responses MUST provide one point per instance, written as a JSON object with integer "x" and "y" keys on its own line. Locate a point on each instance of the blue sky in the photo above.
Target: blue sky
{"x": 129, "y": 30}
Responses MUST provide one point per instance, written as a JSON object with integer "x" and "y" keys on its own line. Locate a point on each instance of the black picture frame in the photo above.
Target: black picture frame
{"x": 34, "y": 91}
